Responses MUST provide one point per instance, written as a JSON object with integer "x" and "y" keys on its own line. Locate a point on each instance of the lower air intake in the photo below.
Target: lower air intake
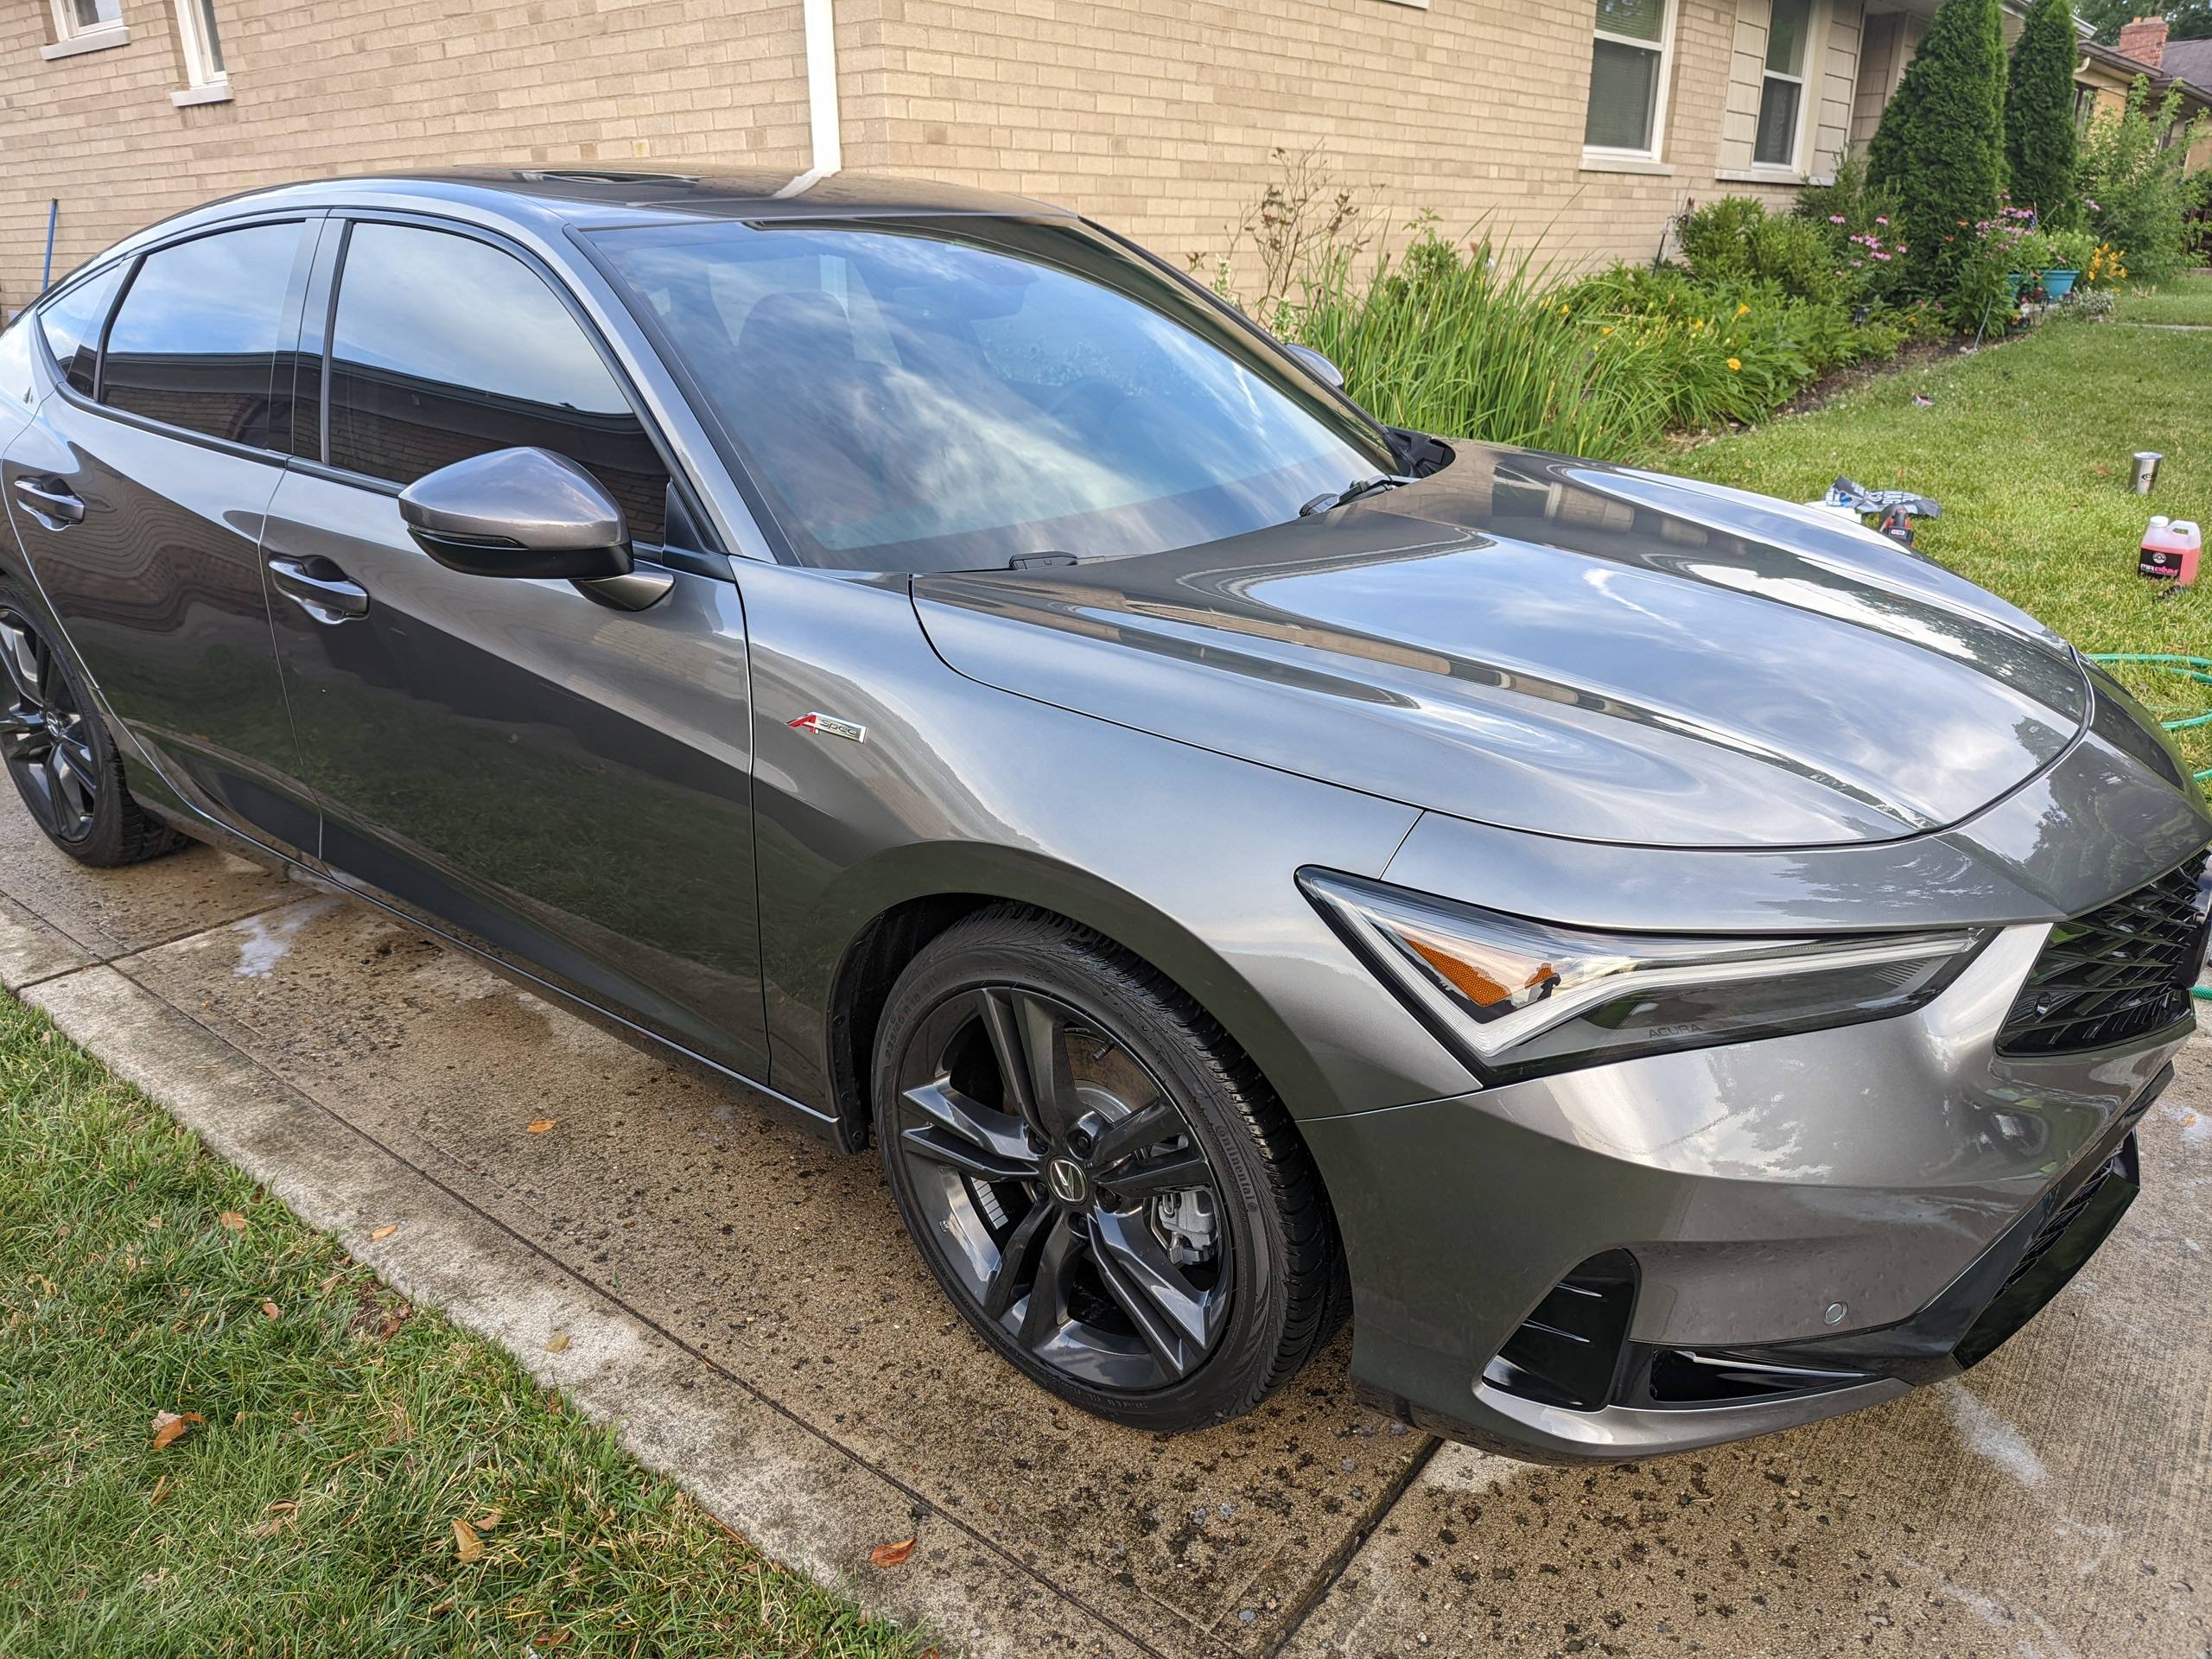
{"x": 1568, "y": 1350}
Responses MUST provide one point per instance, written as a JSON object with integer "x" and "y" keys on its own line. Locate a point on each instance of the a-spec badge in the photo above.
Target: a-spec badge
{"x": 828, "y": 726}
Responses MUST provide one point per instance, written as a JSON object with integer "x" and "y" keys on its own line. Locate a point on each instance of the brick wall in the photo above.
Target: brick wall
{"x": 354, "y": 85}
{"x": 1156, "y": 116}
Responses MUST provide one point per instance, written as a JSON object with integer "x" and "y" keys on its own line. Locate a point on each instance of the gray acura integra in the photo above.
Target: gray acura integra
{"x": 1672, "y": 964}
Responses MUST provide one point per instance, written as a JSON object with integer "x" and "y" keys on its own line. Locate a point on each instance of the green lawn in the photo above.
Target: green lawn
{"x": 313, "y": 1510}
{"x": 2186, "y": 299}
{"x": 2026, "y": 447}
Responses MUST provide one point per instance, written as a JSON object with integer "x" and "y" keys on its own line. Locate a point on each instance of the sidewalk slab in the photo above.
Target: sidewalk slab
{"x": 108, "y": 913}
{"x": 30, "y": 950}
{"x": 785, "y": 1262}
{"x": 788, "y": 1490}
{"x": 2055, "y": 1502}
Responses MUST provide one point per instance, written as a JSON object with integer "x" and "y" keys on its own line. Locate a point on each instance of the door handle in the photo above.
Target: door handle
{"x": 325, "y": 593}
{"x": 53, "y": 503}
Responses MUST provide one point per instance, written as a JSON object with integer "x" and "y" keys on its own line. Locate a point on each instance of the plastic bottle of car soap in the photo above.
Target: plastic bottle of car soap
{"x": 2170, "y": 551}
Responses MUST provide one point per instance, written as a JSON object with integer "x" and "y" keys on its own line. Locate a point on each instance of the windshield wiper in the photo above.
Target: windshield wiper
{"x": 1330, "y": 499}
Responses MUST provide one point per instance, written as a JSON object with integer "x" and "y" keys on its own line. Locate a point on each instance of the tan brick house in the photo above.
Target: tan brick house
{"x": 1592, "y": 121}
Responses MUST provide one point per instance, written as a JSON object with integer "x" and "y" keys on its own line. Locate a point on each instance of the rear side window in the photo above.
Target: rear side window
{"x": 195, "y": 342}
{"x": 444, "y": 347}
{"x": 73, "y": 324}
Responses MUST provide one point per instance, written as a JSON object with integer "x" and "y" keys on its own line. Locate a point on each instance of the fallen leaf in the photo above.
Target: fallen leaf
{"x": 891, "y": 1554}
{"x": 160, "y": 1486}
{"x": 489, "y": 1520}
{"x": 558, "y": 1342}
{"x": 445, "y": 1606}
{"x": 466, "y": 1544}
{"x": 170, "y": 1426}
{"x": 154, "y": 1222}
{"x": 552, "y": 1639}
{"x": 383, "y": 1232}
{"x": 539, "y": 1125}
{"x": 272, "y": 1310}
{"x": 232, "y": 1220}
{"x": 282, "y": 1506}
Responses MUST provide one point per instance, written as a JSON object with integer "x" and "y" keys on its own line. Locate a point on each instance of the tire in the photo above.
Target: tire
{"x": 60, "y": 754}
{"x": 1164, "y": 1119}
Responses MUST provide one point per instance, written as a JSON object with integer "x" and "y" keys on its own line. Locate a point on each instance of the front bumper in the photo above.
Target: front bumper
{"x": 1814, "y": 1224}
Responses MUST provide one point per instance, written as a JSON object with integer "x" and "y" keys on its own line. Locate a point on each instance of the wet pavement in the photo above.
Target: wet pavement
{"x": 2052, "y": 1504}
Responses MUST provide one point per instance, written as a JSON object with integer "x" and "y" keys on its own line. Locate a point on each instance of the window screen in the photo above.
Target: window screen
{"x": 444, "y": 347}
{"x": 194, "y": 341}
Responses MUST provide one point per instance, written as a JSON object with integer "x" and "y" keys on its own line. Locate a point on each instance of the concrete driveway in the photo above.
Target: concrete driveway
{"x": 743, "y": 1303}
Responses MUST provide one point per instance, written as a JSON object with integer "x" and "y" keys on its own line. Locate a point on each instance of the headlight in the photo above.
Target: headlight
{"x": 1517, "y": 997}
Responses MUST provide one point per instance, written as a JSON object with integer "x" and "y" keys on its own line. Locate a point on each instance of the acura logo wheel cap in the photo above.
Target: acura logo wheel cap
{"x": 1069, "y": 1184}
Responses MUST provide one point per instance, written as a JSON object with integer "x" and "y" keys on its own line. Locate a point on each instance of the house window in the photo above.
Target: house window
{"x": 1627, "y": 77}
{"x": 203, "y": 42}
{"x": 93, "y": 21}
{"x": 1781, "y": 94}
{"x": 75, "y": 17}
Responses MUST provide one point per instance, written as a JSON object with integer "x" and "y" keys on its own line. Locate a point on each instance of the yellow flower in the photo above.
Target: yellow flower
{"x": 1741, "y": 309}
{"x": 1734, "y": 364}
{"x": 1697, "y": 322}
{"x": 1607, "y": 329}
{"x": 1562, "y": 310}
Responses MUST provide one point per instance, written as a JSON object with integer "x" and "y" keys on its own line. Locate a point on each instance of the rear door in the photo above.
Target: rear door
{"x": 138, "y": 494}
{"x": 566, "y": 785}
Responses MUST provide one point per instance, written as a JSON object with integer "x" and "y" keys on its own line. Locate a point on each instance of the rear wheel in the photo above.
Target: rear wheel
{"x": 1098, "y": 1179}
{"x": 63, "y": 762}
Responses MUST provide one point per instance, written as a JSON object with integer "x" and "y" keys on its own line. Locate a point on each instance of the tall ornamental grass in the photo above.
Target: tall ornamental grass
{"x": 1473, "y": 340}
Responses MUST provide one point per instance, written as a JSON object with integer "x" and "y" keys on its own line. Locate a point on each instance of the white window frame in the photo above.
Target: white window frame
{"x": 71, "y": 38}
{"x": 1655, "y": 150}
{"x": 204, "y": 82}
{"x": 1813, "y": 67}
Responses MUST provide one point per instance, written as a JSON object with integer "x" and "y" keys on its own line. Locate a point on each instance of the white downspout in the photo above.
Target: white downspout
{"x": 826, "y": 136}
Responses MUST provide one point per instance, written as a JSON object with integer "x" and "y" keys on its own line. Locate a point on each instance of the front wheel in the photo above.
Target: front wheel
{"x": 1097, "y": 1178}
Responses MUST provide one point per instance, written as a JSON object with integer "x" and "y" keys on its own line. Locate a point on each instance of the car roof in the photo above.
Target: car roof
{"x": 598, "y": 197}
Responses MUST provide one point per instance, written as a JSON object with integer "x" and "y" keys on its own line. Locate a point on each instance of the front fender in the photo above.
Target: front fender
{"x": 1183, "y": 856}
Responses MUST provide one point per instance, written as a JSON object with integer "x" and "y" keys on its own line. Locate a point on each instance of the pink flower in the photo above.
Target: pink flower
{"x": 1880, "y": 219}
{"x": 1835, "y": 218}
{"x": 1882, "y": 257}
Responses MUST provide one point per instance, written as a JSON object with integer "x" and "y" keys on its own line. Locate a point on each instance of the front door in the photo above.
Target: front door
{"x": 138, "y": 493}
{"x": 562, "y": 784}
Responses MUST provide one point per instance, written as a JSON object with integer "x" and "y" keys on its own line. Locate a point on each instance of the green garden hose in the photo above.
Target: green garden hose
{"x": 2198, "y": 668}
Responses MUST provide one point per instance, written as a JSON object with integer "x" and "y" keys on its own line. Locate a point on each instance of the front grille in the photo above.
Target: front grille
{"x": 2116, "y": 973}
{"x": 2121, "y": 1163}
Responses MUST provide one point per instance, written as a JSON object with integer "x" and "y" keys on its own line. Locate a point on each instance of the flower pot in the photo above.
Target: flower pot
{"x": 2059, "y": 283}
{"x": 2014, "y": 282}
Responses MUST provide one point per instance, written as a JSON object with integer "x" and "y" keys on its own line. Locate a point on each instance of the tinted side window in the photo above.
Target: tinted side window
{"x": 73, "y": 325}
{"x": 444, "y": 348}
{"x": 194, "y": 341}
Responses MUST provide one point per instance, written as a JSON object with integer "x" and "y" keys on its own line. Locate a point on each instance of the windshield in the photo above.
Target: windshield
{"x": 947, "y": 394}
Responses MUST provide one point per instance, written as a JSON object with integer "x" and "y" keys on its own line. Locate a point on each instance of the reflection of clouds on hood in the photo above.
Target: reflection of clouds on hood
{"x": 210, "y": 296}
{"x": 410, "y": 298}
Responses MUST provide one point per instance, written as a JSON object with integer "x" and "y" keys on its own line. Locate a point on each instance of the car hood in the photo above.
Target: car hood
{"x": 1556, "y": 646}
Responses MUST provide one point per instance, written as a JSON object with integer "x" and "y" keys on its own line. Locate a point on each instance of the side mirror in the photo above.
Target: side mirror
{"x": 518, "y": 512}
{"x": 1320, "y": 366}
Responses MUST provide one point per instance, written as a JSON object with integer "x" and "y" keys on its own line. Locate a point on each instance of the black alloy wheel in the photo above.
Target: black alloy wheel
{"x": 59, "y": 755}
{"x": 45, "y": 737}
{"x": 1079, "y": 1211}
{"x": 1099, "y": 1179}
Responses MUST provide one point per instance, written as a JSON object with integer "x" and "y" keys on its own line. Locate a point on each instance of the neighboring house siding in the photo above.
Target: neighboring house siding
{"x": 1158, "y": 117}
